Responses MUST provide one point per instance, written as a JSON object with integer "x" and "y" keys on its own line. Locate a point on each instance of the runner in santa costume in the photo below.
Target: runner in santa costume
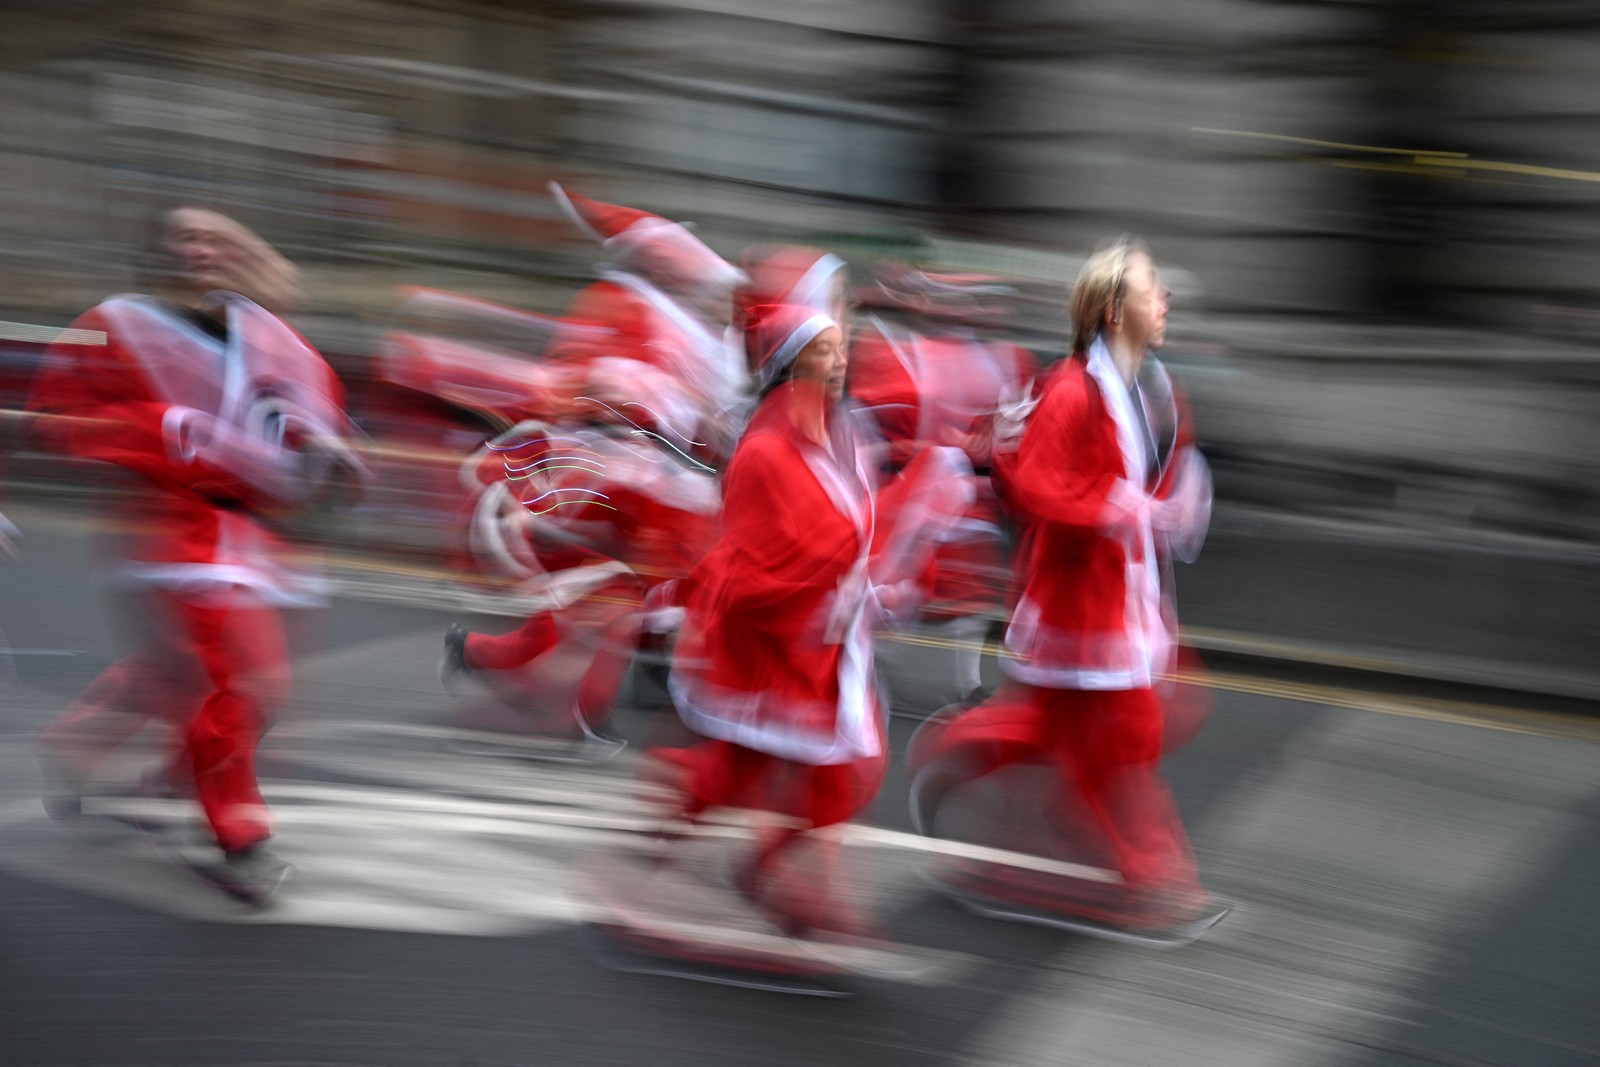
{"x": 230, "y": 418}
{"x": 1110, "y": 486}
{"x": 645, "y": 349}
{"x": 774, "y": 665}
{"x": 933, "y": 380}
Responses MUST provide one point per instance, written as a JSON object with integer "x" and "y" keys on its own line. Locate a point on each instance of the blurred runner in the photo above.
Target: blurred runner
{"x": 774, "y": 667}
{"x": 1110, "y": 486}
{"x": 599, "y": 527}
{"x": 933, "y": 380}
{"x": 617, "y": 472}
{"x": 232, "y": 422}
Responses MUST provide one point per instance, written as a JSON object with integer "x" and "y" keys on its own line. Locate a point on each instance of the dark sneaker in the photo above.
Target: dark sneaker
{"x": 62, "y": 805}
{"x": 454, "y": 660}
{"x": 973, "y": 697}
{"x": 252, "y": 875}
{"x": 62, "y": 792}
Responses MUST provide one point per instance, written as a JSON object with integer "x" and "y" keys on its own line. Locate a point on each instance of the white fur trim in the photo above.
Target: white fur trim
{"x": 793, "y": 345}
{"x": 570, "y": 210}
{"x": 813, "y": 284}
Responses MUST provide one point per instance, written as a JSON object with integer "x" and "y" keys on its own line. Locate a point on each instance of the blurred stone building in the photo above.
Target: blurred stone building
{"x": 1381, "y": 216}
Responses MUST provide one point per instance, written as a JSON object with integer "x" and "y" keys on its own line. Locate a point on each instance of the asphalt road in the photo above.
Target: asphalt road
{"x": 1415, "y": 883}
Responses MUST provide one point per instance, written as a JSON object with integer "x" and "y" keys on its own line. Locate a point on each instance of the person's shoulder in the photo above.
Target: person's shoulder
{"x": 104, "y": 312}
{"x": 1068, "y": 382}
{"x": 763, "y": 462}
{"x": 93, "y": 329}
{"x": 761, "y": 442}
{"x": 1070, "y": 397}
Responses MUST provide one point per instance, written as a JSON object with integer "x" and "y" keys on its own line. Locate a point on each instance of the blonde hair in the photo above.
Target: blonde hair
{"x": 1102, "y": 281}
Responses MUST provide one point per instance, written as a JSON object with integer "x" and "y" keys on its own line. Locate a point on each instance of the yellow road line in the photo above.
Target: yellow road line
{"x": 1422, "y": 160}
{"x": 1488, "y": 716}
{"x": 1559, "y": 173}
{"x": 1286, "y": 139}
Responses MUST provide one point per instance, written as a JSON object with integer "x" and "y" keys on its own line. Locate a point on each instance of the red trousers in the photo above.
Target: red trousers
{"x": 795, "y": 871}
{"x": 722, "y": 774}
{"x": 516, "y": 648}
{"x": 609, "y": 621}
{"x": 215, "y": 668}
{"x": 1106, "y": 747}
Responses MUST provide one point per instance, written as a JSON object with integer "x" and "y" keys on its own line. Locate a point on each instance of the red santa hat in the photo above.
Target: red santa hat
{"x": 790, "y": 274}
{"x": 658, "y": 248}
{"x": 775, "y": 334}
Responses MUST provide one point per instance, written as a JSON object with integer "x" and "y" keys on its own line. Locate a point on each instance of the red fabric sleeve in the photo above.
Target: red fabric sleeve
{"x": 1057, "y": 477}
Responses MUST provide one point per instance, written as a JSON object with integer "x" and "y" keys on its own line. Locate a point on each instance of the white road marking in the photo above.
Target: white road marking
{"x": 384, "y": 856}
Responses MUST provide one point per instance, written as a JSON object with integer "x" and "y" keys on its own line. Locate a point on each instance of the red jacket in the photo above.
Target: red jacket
{"x": 944, "y": 390}
{"x": 1102, "y": 516}
{"x": 775, "y": 653}
{"x": 190, "y": 414}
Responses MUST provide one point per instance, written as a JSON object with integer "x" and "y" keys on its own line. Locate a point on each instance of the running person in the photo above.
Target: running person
{"x": 774, "y": 667}
{"x": 216, "y": 404}
{"x": 1108, "y": 486}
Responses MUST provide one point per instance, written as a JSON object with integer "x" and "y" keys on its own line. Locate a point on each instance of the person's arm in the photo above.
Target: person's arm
{"x": 1053, "y": 480}
{"x": 1181, "y": 512}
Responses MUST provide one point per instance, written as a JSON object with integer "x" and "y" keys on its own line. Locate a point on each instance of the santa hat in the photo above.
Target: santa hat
{"x": 775, "y": 334}
{"x": 659, "y": 248}
{"x": 789, "y": 274}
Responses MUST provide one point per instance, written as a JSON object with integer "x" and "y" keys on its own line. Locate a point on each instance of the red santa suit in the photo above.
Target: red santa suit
{"x": 210, "y": 423}
{"x": 1104, "y": 508}
{"x": 775, "y": 654}
{"x": 1109, "y": 485}
{"x": 774, "y": 664}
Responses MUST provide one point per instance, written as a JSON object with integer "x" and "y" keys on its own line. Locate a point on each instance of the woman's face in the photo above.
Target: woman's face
{"x": 824, "y": 361}
{"x": 1144, "y": 304}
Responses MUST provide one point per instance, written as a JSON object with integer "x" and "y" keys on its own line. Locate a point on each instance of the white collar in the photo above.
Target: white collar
{"x": 1119, "y": 401}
